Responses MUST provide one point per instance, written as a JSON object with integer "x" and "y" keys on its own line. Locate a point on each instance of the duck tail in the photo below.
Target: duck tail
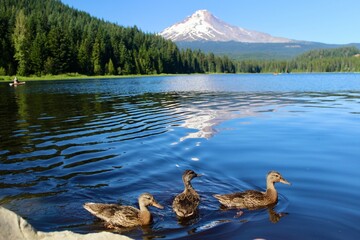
{"x": 217, "y": 196}
{"x": 91, "y": 207}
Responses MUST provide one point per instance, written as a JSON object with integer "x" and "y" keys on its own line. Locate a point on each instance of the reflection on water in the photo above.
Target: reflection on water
{"x": 205, "y": 118}
{"x": 274, "y": 216}
{"x": 205, "y": 115}
{"x": 64, "y": 143}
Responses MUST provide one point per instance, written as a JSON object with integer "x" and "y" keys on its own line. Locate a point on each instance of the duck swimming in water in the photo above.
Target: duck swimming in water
{"x": 185, "y": 204}
{"x": 252, "y": 199}
{"x": 125, "y": 216}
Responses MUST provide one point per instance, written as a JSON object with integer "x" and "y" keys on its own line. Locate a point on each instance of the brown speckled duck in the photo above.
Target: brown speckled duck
{"x": 125, "y": 216}
{"x": 185, "y": 204}
{"x": 252, "y": 199}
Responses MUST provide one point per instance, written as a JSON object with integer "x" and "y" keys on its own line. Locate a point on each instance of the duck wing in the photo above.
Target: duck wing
{"x": 247, "y": 199}
{"x": 185, "y": 205}
{"x": 115, "y": 214}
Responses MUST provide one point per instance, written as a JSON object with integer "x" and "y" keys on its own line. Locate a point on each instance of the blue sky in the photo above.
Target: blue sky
{"x": 327, "y": 21}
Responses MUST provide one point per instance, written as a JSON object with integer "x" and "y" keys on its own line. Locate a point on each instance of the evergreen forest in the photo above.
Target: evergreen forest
{"x": 49, "y": 37}
{"x": 343, "y": 59}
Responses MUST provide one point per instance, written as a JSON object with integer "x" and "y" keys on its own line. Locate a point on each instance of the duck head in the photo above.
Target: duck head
{"x": 274, "y": 177}
{"x": 188, "y": 175}
{"x": 146, "y": 199}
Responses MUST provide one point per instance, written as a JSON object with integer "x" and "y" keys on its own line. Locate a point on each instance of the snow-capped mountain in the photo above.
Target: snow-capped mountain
{"x": 203, "y": 26}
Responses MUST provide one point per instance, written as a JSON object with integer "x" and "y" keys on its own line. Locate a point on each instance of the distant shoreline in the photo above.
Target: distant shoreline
{"x": 7, "y": 79}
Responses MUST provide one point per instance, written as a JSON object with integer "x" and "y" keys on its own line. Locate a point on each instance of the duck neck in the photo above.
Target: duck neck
{"x": 271, "y": 192}
{"x": 188, "y": 186}
{"x": 144, "y": 215}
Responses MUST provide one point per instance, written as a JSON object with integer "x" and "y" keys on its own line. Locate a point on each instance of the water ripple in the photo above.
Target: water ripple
{"x": 66, "y": 143}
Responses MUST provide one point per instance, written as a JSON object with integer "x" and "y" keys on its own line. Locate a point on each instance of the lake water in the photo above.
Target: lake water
{"x": 64, "y": 143}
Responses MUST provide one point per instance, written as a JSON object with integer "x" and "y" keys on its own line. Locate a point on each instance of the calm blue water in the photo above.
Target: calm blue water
{"x": 64, "y": 143}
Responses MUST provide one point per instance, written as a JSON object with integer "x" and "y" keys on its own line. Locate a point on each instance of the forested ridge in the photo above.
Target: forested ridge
{"x": 260, "y": 51}
{"x": 48, "y": 37}
{"x": 344, "y": 59}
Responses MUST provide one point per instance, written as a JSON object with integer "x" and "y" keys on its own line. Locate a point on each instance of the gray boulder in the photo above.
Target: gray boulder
{"x": 14, "y": 227}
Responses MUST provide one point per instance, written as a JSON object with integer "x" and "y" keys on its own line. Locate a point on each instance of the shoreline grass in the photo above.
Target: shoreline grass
{"x": 70, "y": 76}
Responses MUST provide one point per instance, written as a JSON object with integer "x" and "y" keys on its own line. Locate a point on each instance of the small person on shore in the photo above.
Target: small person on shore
{"x": 16, "y": 81}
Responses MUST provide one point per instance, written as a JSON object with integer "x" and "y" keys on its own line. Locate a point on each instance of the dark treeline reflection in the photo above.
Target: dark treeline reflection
{"x": 28, "y": 119}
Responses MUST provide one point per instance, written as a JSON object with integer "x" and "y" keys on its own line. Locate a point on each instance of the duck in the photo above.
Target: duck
{"x": 252, "y": 199}
{"x": 185, "y": 204}
{"x": 116, "y": 215}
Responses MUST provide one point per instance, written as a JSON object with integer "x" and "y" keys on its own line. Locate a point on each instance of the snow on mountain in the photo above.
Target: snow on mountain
{"x": 203, "y": 26}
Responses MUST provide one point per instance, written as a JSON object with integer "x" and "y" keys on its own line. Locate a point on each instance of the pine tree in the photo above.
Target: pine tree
{"x": 96, "y": 58}
{"x": 111, "y": 68}
{"x": 38, "y": 54}
{"x": 21, "y": 43}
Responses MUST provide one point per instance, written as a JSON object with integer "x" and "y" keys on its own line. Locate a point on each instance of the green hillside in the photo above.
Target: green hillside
{"x": 345, "y": 59}
{"x": 343, "y": 52}
{"x": 258, "y": 51}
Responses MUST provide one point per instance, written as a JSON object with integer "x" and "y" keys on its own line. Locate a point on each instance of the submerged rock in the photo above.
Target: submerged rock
{"x": 14, "y": 227}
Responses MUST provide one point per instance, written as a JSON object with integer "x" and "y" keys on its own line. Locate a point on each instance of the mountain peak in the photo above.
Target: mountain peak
{"x": 203, "y": 26}
{"x": 202, "y": 14}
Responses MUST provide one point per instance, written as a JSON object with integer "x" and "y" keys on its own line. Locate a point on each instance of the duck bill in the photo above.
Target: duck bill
{"x": 282, "y": 180}
{"x": 157, "y": 205}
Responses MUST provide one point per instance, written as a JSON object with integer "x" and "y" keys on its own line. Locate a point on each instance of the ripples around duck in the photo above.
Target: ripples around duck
{"x": 64, "y": 143}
